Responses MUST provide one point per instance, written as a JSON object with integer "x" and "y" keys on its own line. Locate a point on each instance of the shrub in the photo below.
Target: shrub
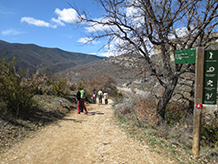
{"x": 73, "y": 87}
{"x": 117, "y": 94}
{"x": 175, "y": 111}
{"x": 3, "y": 107}
{"x": 18, "y": 89}
{"x": 147, "y": 111}
{"x": 82, "y": 84}
{"x": 123, "y": 108}
{"x": 104, "y": 82}
{"x": 56, "y": 86}
{"x": 209, "y": 132}
{"x": 16, "y": 92}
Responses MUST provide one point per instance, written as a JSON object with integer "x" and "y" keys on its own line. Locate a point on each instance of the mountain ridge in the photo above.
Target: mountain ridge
{"x": 33, "y": 57}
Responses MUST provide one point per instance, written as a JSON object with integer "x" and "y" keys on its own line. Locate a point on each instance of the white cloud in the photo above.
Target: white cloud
{"x": 109, "y": 50}
{"x": 35, "y": 22}
{"x": 84, "y": 40}
{"x": 57, "y": 22}
{"x": 12, "y": 32}
{"x": 107, "y": 53}
{"x": 94, "y": 27}
{"x": 66, "y": 15}
{"x": 181, "y": 32}
{"x": 87, "y": 40}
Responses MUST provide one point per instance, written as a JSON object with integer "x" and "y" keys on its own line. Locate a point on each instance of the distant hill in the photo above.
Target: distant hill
{"x": 125, "y": 68}
{"x": 76, "y": 66}
{"x": 33, "y": 57}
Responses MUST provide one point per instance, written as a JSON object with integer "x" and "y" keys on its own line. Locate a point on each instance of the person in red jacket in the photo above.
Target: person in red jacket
{"x": 80, "y": 102}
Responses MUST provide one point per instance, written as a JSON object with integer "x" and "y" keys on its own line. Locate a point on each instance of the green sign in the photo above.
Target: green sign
{"x": 210, "y": 77}
{"x": 185, "y": 56}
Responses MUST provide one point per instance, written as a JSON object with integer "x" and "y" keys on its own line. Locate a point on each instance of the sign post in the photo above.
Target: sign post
{"x": 199, "y": 72}
{"x": 206, "y": 70}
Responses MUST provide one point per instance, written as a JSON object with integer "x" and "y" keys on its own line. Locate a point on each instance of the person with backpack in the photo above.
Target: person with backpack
{"x": 94, "y": 96}
{"x": 80, "y": 95}
{"x": 106, "y": 97}
{"x": 100, "y": 94}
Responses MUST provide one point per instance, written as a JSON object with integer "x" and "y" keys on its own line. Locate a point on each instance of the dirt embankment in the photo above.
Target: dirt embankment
{"x": 82, "y": 139}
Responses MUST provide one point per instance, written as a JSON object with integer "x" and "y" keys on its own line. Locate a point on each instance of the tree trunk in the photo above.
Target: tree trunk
{"x": 167, "y": 95}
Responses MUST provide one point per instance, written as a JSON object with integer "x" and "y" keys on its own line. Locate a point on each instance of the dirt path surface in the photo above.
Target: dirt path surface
{"x": 82, "y": 139}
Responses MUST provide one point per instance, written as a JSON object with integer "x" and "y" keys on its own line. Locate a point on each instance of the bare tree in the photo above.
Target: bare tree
{"x": 140, "y": 26}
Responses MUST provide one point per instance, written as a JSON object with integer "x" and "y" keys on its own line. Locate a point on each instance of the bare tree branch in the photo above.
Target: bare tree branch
{"x": 147, "y": 26}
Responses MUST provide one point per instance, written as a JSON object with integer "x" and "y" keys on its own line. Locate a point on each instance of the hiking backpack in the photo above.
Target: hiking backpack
{"x": 82, "y": 93}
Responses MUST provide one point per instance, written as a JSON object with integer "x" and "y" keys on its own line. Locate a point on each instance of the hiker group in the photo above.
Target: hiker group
{"x": 100, "y": 95}
{"x": 80, "y": 95}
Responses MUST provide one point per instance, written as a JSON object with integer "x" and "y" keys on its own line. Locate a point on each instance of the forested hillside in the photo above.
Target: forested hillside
{"x": 33, "y": 57}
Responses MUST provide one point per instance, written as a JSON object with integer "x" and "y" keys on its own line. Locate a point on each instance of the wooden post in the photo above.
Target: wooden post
{"x": 198, "y": 99}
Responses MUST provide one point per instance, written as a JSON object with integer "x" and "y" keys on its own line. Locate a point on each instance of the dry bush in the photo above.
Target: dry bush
{"x": 143, "y": 112}
{"x": 180, "y": 132}
{"x": 123, "y": 108}
{"x": 126, "y": 110}
{"x": 104, "y": 82}
{"x": 178, "y": 125}
{"x": 136, "y": 110}
{"x": 209, "y": 132}
{"x": 147, "y": 111}
{"x": 176, "y": 111}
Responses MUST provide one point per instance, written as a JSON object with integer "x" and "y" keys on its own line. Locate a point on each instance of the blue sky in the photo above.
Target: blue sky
{"x": 46, "y": 23}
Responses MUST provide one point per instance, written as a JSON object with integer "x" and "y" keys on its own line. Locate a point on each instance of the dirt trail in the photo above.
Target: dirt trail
{"x": 82, "y": 139}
